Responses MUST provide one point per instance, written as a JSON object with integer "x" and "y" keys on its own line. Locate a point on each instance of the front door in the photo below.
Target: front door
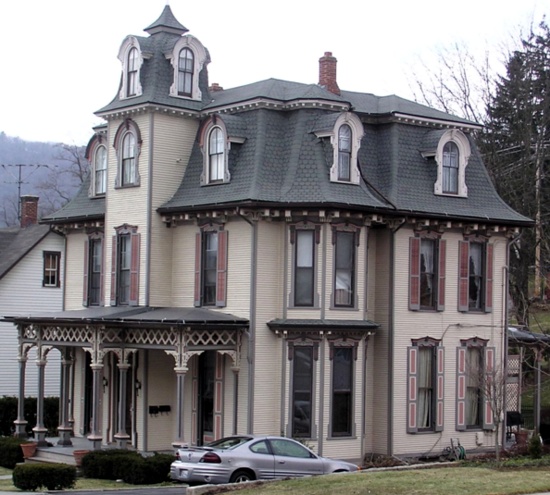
{"x": 206, "y": 387}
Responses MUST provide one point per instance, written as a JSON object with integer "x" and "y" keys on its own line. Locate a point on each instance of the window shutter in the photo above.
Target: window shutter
{"x": 489, "y": 278}
{"x": 412, "y": 389}
{"x": 198, "y": 263}
{"x": 488, "y": 386}
{"x": 440, "y": 389}
{"x": 102, "y": 275}
{"x": 221, "y": 281}
{"x": 134, "y": 269}
{"x": 113, "y": 270}
{"x": 463, "y": 275}
{"x": 461, "y": 389}
{"x": 414, "y": 273}
{"x": 86, "y": 270}
{"x": 441, "y": 275}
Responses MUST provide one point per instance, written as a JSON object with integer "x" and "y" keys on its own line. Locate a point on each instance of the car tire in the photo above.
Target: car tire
{"x": 241, "y": 476}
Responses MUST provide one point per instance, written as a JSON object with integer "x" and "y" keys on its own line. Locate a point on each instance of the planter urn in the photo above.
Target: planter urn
{"x": 29, "y": 449}
{"x": 78, "y": 456}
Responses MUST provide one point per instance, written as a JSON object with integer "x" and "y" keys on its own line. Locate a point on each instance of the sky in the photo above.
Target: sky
{"x": 60, "y": 60}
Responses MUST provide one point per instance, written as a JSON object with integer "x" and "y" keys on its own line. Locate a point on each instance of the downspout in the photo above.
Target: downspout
{"x": 391, "y": 319}
{"x": 320, "y": 433}
{"x": 252, "y": 329}
{"x": 149, "y": 212}
{"x": 365, "y": 349}
{"x": 284, "y": 431}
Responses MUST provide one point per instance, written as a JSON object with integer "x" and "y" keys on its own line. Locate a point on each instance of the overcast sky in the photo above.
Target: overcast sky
{"x": 60, "y": 56}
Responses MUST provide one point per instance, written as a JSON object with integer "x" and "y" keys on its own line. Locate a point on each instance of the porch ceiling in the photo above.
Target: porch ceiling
{"x": 294, "y": 324}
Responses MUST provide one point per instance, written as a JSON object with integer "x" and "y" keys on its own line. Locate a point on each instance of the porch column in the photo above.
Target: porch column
{"x": 39, "y": 430}
{"x": 95, "y": 436}
{"x": 121, "y": 436}
{"x": 70, "y": 419}
{"x": 180, "y": 393}
{"x": 64, "y": 428}
{"x": 20, "y": 423}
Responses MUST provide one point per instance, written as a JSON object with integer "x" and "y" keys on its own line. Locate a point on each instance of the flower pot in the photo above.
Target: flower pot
{"x": 29, "y": 449}
{"x": 78, "y": 455}
{"x": 521, "y": 437}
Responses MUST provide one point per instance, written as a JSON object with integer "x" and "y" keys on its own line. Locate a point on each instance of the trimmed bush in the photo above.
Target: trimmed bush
{"x": 10, "y": 451}
{"x": 106, "y": 464}
{"x": 51, "y": 476}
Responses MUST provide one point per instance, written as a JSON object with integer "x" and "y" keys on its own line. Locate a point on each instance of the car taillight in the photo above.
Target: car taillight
{"x": 211, "y": 458}
{"x": 178, "y": 458}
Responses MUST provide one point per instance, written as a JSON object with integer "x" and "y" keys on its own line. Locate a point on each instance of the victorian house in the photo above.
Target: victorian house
{"x": 276, "y": 258}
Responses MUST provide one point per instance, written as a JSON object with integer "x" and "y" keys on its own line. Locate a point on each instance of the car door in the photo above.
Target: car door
{"x": 293, "y": 459}
{"x": 261, "y": 460}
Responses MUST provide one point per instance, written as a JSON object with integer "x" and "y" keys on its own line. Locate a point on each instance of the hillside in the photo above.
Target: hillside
{"x": 52, "y": 171}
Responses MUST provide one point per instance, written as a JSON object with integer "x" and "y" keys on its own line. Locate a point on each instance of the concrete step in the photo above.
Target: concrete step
{"x": 54, "y": 457}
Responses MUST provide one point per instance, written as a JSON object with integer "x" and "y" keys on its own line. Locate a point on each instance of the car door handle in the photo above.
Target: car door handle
{"x": 281, "y": 462}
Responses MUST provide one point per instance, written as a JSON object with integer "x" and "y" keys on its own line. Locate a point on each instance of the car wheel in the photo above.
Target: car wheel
{"x": 242, "y": 476}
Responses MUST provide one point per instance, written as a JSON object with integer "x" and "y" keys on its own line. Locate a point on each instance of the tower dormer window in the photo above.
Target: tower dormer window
{"x": 127, "y": 144}
{"x": 216, "y": 155}
{"x": 344, "y": 153}
{"x": 132, "y": 73}
{"x": 450, "y": 168}
{"x": 452, "y": 156}
{"x": 186, "y": 68}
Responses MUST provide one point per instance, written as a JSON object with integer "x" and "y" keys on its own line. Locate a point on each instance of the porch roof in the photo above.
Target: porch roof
{"x": 522, "y": 336}
{"x": 132, "y": 316}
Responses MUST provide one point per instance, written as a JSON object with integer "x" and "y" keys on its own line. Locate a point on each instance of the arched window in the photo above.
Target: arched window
{"x": 216, "y": 155}
{"x": 344, "y": 153}
{"x": 186, "y": 66}
{"x": 132, "y": 73}
{"x": 100, "y": 170}
{"x": 128, "y": 170}
{"x": 450, "y": 168}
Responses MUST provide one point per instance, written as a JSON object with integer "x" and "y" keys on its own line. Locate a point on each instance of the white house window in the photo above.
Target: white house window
{"x": 125, "y": 263}
{"x": 342, "y": 391}
{"x": 128, "y": 159}
{"x": 132, "y": 72}
{"x": 131, "y": 58}
{"x": 452, "y": 156}
{"x": 93, "y": 271}
{"x": 475, "y": 276}
{"x": 427, "y": 257}
{"x": 211, "y": 267}
{"x": 216, "y": 155}
{"x": 344, "y": 270}
{"x": 52, "y": 269}
{"x": 302, "y": 391}
{"x": 304, "y": 271}
{"x": 100, "y": 170}
{"x": 215, "y": 145}
{"x": 346, "y": 141}
{"x": 344, "y": 153}
{"x": 186, "y": 67}
{"x": 127, "y": 145}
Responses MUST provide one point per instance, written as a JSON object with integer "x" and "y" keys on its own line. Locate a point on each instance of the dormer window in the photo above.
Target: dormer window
{"x": 186, "y": 67}
{"x": 132, "y": 68}
{"x": 451, "y": 156}
{"x": 215, "y": 147}
{"x": 127, "y": 144}
{"x": 346, "y": 140}
{"x": 344, "y": 153}
{"x": 100, "y": 170}
{"x": 216, "y": 155}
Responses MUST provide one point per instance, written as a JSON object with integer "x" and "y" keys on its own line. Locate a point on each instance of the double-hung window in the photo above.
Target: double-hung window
{"x": 302, "y": 391}
{"x": 475, "y": 290}
{"x": 344, "y": 269}
{"x": 132, "y": 72}
{"x": 425, "y": 386}
{"x": 475, "y": 382}
{"x": 93, "y": 271}
{"x": 128, "y": 171}
{"x": 127, "y": 143}
{"x": 427, "y": 273}
{"x": 100, "y": 170}
{"x": 450, "y": 168}
{"x": 211, "y": 267}
{"x": 125, "y": 267}
{"x": 304, "y": 268}
{"x": 342, "y": 391}
{"x": 52, "y": 269}
{"x": 344, "y": 153}
{"x": 216, "y": 155}
{"x": 186, "y": 64}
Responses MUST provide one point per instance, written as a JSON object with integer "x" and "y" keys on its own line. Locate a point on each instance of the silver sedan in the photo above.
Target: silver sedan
{"x": 246, "y": 457}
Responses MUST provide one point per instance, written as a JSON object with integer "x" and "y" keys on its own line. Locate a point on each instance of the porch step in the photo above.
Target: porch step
{"x": 57, "y": 456}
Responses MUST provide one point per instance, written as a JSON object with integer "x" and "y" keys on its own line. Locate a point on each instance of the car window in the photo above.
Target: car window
{"x": 228, "y": 443}
{"x": 260, "y": 448}
{"x": 289, "y": 449}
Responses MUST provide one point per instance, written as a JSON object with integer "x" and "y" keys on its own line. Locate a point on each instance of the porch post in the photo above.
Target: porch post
{"x": 70, "y": 392}
{"x": 95, "y": 436}
{"x": 121, "y": 436}
{"x": 180, "y": 393}
{"x": 39, "y": 430}
{"x": 20, "y": 423}
{"x": 64, "y": 428}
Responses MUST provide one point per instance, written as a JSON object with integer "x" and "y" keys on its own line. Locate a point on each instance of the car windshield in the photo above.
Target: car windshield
{"x": 228, "y": 443}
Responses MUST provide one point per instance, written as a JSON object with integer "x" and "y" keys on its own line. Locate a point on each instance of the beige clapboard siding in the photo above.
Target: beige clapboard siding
{"x": 173, "y": 140}
{"x": 239, "y": 255}
{"x": 21, "y": 292}
{"x": 451, "y": 326}
{"x": 183, "y": 265}
{"x": 74, "y": 288}
{"x": 127, "y": 205}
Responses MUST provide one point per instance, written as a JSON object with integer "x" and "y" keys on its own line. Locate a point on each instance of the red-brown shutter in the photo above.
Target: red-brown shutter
{"x": 414, "y": 273}
{"x": 461, "y": 389}
{"x": 440, "y": 389}
{"x": 463, "y": 275}
{"x": 134, "y": 269}
{"x": 113, "y": 270}
{"x": 412, "y": 389}
{"x": 221, "y": 281}
{"x": 85, "y": 274}
{"x": 489, "y": 278}
{"x": 198, "y": 263}
{"x": 489, "y": 386}
{"x": 441, "y": 275}
{"x": 101, "y": 275}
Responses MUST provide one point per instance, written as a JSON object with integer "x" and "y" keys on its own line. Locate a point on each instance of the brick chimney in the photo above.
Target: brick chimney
{"x": 327, "y": 73}
{"x": 215, "y": 87}
{"x": 29, "y": 210}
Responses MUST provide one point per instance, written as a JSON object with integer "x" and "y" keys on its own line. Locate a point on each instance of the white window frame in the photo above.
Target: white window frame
{"x": 357, "y": 133}
{"x": 206, "y": 176}
{"x": 200, "y": 59}
{"x": 126, "y": 129}
{"x": 464, "y": 151}
{"x": 123, "y": 55}
{"x": 100, "y": 171}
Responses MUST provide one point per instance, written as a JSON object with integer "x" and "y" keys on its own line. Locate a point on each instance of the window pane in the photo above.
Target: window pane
{"x": 475, "y": 287}
{"x": 344, "y": 152}
{"x": 216, "y": 154}
{"x": 427, "y": 273}
{"x": 474, "y": 376}
{"x": 426, "y": 396}
{"x": 344, "y": 276}
{"x": 51, "y": 270}
{"x": 128, "y": 159}
{"x": 303, "y": 270}
{"x": 100, "y": 170}
{"x": 302, "y": 377}
{"x": 124, "y": 259}
{"x": 210, "y": 266}
{"x": 132, "y": 72}
{"x": 342, "y": 374}
{"x": 450, "y": 168}
{"x": 95, "y": 272}
{"x": 185, "y": 72}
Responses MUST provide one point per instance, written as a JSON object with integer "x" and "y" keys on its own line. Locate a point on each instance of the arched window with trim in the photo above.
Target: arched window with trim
{"x": 127, "y": 143}
{"x": 186, "y": 67}
{"x": 132, "y": 72}
{"x": 216, "y": 155}
{"x": 452, "y": 156}
{"x": 344, "y": 152}
{"x": 450, "y": 168}
{"x": 100, "y": 170}
{"x": 128, "y": 159}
